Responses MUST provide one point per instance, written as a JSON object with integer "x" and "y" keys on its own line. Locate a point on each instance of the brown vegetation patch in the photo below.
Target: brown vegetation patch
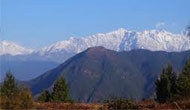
{"x": 67, "y": 106}
{"x": 151, "y": 104}
{"x": 143, "y": 105}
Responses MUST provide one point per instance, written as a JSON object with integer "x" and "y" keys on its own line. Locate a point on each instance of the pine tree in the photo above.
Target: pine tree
{"x": 9, "y": 86}
{"x": 60, "y": 90}
{"x": 173, "y": 80}
{"x": 163, "y": 88}
{"x": 184, "y": 81}
{"x": 44, "y": 96}
{"x": 166, "y": 85}
{"x": 8, "y": 92}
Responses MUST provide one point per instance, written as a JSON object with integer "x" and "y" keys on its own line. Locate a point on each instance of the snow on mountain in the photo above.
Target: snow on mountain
{"x": 7, "y": 47}
{"x": 119, "y": 40}
{"x": 109, "y": 40}
{"x": 162, "y": 40}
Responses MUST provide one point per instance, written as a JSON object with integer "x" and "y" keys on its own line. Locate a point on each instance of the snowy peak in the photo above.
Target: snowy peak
{"x": 162, "y": 40}
{"x": 118, "y": 40}
{"x": 109, "y": 40}
{"x": 7, "y": 47}
{"x": 122, "y": 40}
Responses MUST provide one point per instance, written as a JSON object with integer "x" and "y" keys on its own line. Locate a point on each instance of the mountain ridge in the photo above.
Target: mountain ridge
{"x": 95, "y": 73}
{"x": 119, "y": 40}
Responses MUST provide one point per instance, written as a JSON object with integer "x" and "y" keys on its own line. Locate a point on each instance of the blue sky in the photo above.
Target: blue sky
{"x": 38, "y": 23}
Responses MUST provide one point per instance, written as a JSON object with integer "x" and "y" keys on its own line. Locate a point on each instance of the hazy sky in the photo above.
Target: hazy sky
{"x": 38, "y": 23}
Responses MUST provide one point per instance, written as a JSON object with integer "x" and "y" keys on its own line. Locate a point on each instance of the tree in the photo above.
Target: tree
{"x": 9, "y": 86}
{"x": 60, "y": 90}
{"x": 173, "y": 80}
{"x": 166, "y": 85}
{"x": 8, "y": 91}
{"x": 44, "y": 96}
{"x": 184, "y": 81}
{"x": 14, "y": 97}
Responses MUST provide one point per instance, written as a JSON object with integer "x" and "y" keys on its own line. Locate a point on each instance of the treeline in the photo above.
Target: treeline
{"x": 171, "y": 86}
{"x": 19, "y": 97}
{"x": 60, "y": 92}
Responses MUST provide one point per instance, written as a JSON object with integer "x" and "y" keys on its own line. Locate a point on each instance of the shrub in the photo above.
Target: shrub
{"x": 44, "y": 96}
{"x": 120, "y": 104}
{"x": 25, "y": 98}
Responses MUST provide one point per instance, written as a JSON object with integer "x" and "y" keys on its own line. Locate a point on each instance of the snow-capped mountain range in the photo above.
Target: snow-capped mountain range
{"x": 119, "y": 40}
{"x": 7, "y": 47}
